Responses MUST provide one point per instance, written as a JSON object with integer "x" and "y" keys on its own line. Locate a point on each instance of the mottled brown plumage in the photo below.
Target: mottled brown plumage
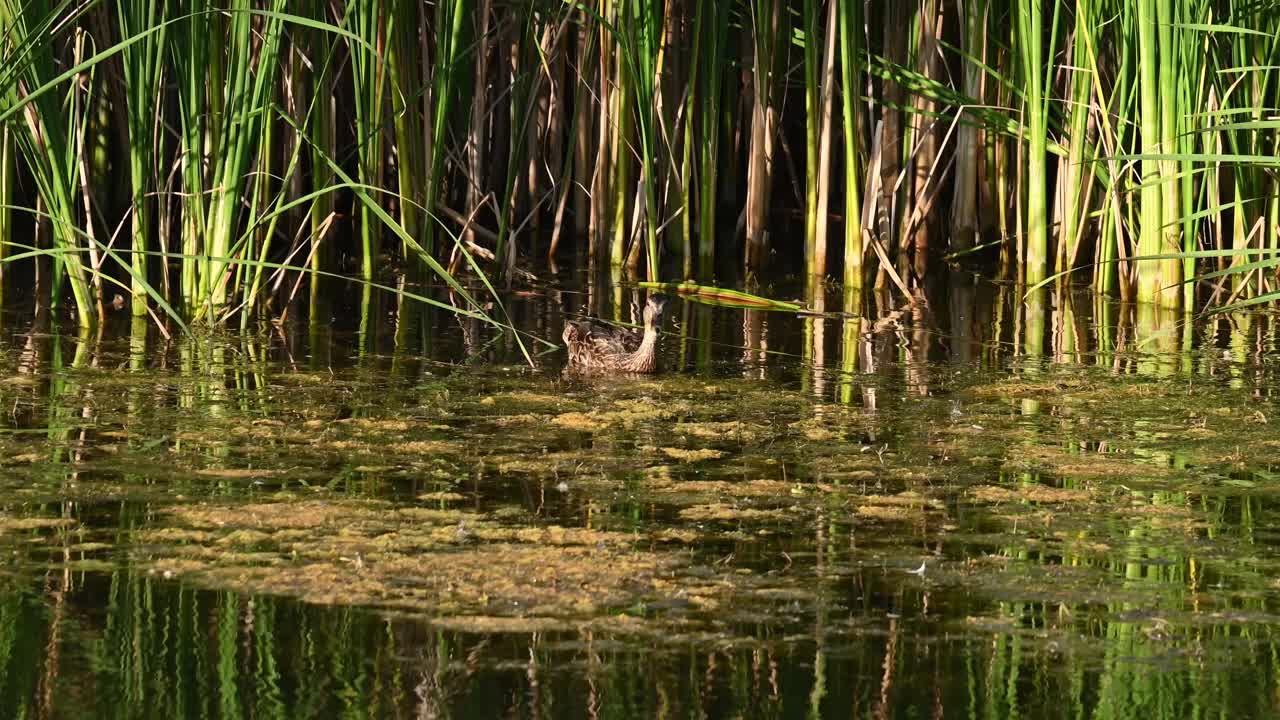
{"x": 602, "y": 348}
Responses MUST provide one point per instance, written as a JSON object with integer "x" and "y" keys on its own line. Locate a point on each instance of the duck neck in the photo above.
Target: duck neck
{"x": 650, "y": 337}
{"x": 642, "y": 360}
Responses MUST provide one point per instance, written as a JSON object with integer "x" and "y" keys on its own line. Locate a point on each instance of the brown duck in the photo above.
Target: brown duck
{"x": 602, "y": 348}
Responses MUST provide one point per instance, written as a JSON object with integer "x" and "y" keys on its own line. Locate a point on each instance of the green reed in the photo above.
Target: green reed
{"x": 1151, "y": 282}
{"x": 641, "y": 25}
{"x": 1072, "y": 197}
{"x": 769, "y": 31}
{"x": 705, "y": 100}
{"x": 1119, "y": 141}
{"x": 1030, "y": 31}
{"x": 819, "y": 75}
{"x": 850, "y": 78}
{"x": 7, "y": 163}
{"x": 369, "y": 77}
{"x": 45, "y": 133}
{"x": 445, "y": 75}
{"x": 406, "y": 95}
{"x": 321, "y": 140}
{"x": 143, "y": 75}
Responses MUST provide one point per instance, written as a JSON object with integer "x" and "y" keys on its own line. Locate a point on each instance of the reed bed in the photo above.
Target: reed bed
{"x": 203, "y": 160}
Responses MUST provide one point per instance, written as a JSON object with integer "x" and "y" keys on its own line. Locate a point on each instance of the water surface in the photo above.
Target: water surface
{"x": 971, "y": 508}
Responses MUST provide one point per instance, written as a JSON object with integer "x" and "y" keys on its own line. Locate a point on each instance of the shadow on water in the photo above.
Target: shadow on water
{"x": 975, "y": 506}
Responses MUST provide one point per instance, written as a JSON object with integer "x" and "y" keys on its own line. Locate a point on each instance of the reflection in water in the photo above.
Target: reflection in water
{"x": 1001, "y": 510}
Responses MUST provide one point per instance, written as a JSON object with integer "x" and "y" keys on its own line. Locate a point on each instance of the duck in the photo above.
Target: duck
{"x": 594, "y": 347}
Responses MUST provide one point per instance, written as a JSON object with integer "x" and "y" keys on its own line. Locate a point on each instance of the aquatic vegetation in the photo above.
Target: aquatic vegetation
{"x": 268, "y": 146}
{"x": 686, "y": 455}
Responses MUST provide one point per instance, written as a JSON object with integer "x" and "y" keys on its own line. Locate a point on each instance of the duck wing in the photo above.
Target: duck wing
{"x": 601, "y": 340}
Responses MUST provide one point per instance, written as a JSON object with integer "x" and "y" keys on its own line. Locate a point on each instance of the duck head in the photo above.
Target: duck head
{"x": 653, "y": 310}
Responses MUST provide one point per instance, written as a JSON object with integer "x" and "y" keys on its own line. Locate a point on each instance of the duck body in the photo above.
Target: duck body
{"x": 595, "y": 347}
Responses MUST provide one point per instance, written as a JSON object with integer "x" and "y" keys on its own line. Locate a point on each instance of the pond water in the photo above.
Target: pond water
{"x": 971, "y": 507}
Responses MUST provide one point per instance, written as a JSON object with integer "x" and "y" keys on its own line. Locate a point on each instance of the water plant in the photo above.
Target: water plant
{"x": 1113, "y": 142}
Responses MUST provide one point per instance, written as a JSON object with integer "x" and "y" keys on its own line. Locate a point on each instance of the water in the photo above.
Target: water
{"x": 980, "y": 510}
